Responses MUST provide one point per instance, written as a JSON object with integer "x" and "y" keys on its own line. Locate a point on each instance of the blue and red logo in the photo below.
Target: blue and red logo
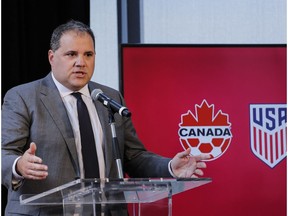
{"x": 268, "y": 132}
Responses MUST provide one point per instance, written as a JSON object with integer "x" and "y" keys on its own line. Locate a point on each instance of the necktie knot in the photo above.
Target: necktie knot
{"x": 77, "y": 95}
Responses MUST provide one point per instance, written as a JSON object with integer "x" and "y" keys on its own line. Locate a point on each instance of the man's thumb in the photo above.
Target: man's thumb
{"x": 32, "y": 149}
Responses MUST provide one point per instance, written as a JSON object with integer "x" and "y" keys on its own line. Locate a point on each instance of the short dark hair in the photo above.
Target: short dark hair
{"x": 71, "y": 25}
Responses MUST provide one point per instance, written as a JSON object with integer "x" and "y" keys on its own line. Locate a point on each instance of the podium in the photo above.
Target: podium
{"x": 98, "y": 195}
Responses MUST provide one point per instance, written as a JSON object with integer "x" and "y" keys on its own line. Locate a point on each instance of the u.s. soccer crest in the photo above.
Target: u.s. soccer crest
{"x": 268, "y": 132}
{"x": 205, "y": 132}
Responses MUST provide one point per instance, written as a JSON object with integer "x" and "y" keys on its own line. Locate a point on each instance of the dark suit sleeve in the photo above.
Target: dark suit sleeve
{"x": 148, "y": 165}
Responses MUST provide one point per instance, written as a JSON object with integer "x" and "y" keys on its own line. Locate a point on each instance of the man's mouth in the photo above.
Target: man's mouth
{"x": 81, "y": 73}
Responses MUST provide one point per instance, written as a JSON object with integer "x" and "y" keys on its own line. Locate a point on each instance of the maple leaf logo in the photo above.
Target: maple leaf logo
{"x": 205, "y": 117}
{"x": 205, "y": 132}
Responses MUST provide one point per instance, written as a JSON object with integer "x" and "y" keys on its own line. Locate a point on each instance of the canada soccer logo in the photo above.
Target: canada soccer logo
{"x": 205, "y": 132}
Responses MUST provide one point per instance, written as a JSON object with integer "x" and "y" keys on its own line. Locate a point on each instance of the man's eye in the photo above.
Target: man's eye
{"x": 89, "y": 54}
{"x": 70, "y": 54}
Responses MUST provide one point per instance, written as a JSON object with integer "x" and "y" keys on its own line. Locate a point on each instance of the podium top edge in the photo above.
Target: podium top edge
{"x": 99, "y": 180}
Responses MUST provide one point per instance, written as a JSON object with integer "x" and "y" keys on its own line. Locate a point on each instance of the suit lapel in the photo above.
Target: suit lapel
{"x": 52, "y": 100}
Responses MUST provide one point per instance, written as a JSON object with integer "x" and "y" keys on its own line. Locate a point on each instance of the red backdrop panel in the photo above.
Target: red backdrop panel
{"x": 162, "y": 83}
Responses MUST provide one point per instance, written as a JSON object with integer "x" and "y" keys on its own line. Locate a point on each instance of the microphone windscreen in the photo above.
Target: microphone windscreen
{"x": 95, "y": 93}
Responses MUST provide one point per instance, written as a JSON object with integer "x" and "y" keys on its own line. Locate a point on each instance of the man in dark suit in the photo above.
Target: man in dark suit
{"x": 41, "y": 143}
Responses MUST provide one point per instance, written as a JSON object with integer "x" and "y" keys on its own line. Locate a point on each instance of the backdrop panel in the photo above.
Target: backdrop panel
{"x": 228, "y": 101}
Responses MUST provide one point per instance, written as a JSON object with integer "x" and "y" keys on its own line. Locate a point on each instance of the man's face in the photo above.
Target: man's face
{"x": 73, "y": 63}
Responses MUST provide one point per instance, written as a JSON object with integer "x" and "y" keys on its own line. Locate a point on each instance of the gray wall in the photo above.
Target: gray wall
{"x": 186, "y": 22}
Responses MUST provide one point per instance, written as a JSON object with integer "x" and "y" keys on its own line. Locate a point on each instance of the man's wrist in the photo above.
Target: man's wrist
{"x": 16, "y": 175}
{"x": 170, "y": 169}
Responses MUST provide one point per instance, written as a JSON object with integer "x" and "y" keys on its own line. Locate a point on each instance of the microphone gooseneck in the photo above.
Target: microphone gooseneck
{"x": 112, "y": 107}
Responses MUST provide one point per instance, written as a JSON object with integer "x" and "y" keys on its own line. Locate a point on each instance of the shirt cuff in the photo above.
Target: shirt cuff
{"x": 170, "y": 169}
{"x": 17, "y": 179}
{"x": 16, "y": 176}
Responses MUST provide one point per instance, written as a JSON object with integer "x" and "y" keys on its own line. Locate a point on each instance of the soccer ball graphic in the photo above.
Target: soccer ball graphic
{"x": 205, "y": 133}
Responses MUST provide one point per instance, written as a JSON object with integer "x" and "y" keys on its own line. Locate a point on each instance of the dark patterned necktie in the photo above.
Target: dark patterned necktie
{"x": 89, "y": 154}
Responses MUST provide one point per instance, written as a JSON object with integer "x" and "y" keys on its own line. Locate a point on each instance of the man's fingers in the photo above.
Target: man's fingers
{"x": 201, "y": 165}
{"x": 202, "y": 157}
{"x": 36, "y": 175}
{"x": 38, "y": 167}
{"x": 199, "y": 172}
{"x": 32, "y": 158}
{"x": 36, "y": 171}
{"x": 197, "y": 157}
{"x": 184, "y": 153}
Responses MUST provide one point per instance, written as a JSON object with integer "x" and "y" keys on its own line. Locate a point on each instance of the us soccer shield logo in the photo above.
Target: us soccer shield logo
{"x": 205, "y": 132}
{"x": 268, "y": 132}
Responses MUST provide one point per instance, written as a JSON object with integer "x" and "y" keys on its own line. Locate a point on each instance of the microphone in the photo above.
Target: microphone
{"x": 97, "y": 94}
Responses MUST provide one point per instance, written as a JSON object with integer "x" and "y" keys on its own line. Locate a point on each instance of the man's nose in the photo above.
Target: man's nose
{"x": 80, "y": 62}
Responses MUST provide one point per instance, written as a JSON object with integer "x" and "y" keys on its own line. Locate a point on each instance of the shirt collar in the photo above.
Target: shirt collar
{"x": 64, "y": 91}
